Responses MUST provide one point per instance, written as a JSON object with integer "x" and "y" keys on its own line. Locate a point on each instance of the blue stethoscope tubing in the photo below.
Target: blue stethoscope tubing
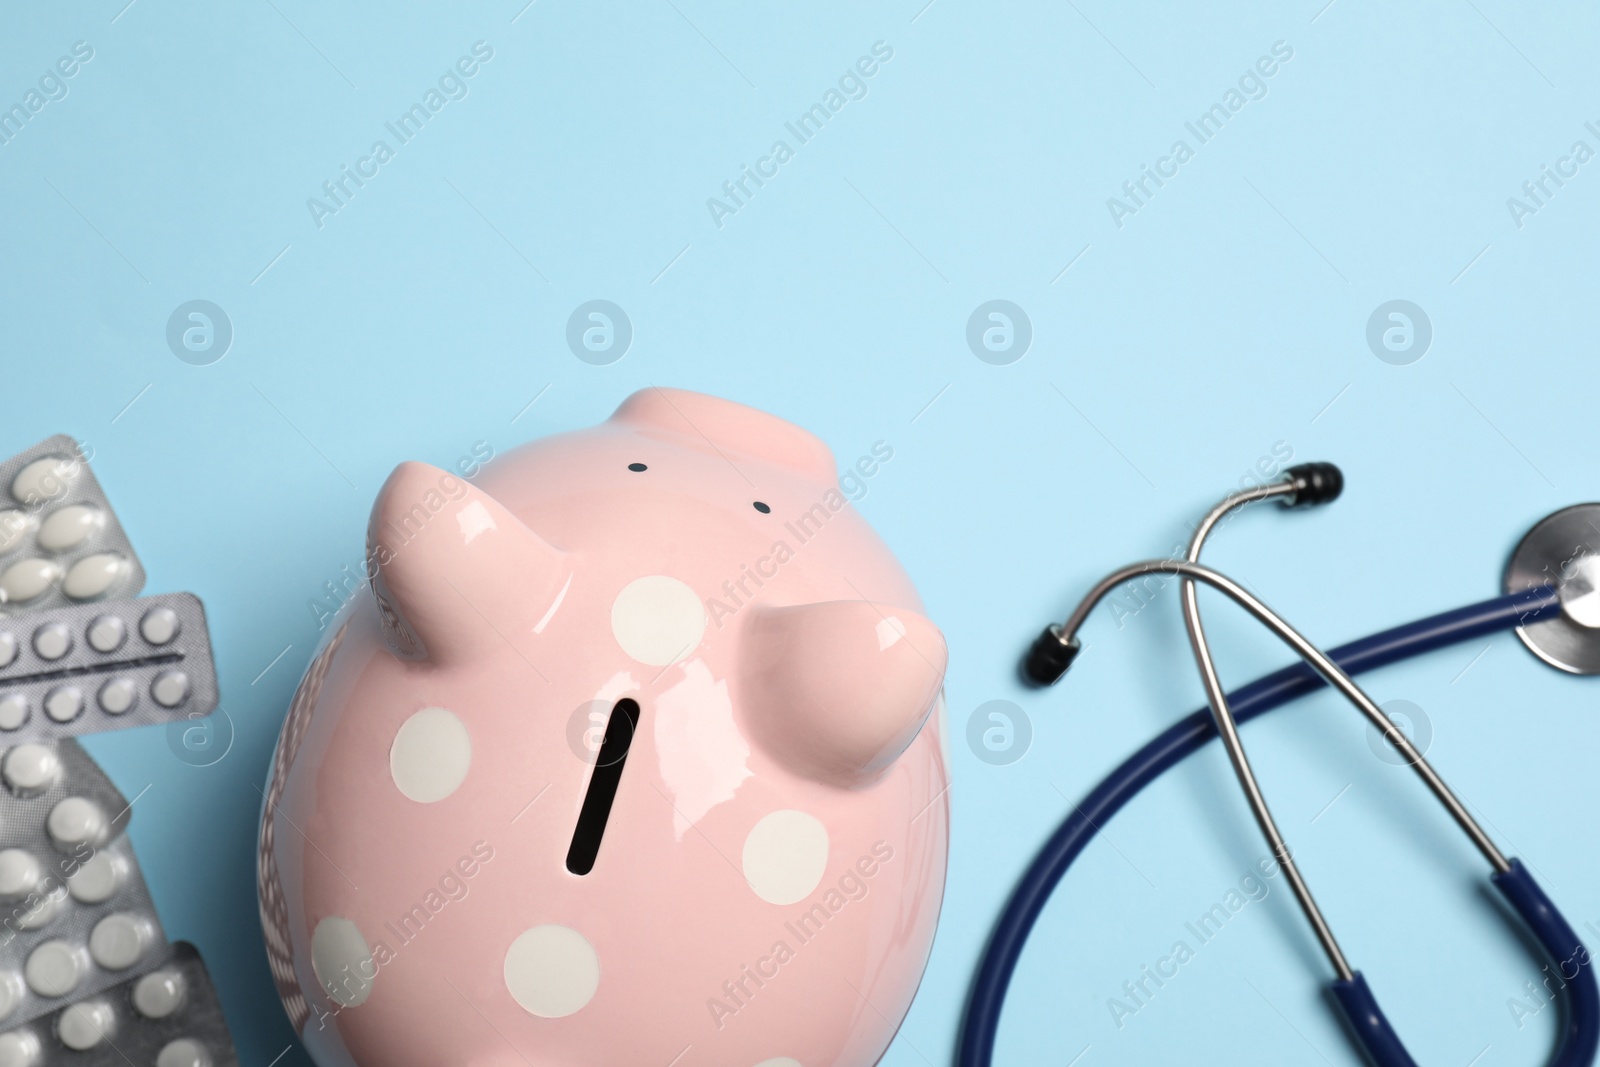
{"x": 1580, "y": 1032}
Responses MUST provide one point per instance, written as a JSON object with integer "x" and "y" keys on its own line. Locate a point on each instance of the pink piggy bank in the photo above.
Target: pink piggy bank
{"x": 628, "y": 760}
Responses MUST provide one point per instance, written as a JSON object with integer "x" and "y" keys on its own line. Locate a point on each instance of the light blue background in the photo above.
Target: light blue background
{"x": 1227, "y": 316}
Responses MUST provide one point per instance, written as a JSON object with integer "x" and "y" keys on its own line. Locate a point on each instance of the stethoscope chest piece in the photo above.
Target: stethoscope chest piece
{"x": 1563, "y": 550}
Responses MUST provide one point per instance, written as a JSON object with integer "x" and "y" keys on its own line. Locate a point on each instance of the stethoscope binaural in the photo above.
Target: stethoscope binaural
{"x": 1552, "y": 600}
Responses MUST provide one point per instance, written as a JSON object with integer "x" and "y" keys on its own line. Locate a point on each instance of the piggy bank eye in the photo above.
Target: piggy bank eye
{"x": 763, "y": 508}
{"x": 637, "y": 467}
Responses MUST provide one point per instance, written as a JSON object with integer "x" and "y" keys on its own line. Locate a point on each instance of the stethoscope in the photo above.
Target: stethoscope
{"x": 1552, "y": 600}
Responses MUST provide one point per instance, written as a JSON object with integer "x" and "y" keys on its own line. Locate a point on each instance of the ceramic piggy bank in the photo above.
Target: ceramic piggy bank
{"x": 629, "y": 758}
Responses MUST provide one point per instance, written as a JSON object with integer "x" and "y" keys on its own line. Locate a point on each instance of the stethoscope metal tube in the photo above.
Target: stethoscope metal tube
{"x": 1288, "y": 492}
{"x": 1065, "y": 633}
{"x": 1292, "y": 493}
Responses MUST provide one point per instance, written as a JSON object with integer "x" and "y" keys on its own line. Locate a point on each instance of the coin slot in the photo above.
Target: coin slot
{"x": 596, "y": 810}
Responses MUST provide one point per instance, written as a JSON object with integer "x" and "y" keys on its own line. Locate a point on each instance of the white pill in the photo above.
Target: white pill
{"x": 68, "y": 527}
{"x": 55, "y": 968}
{"x": 31, "y": 769}
{"x": 19, "y": 1048}
{"x": 40, "y": 913}
{"x": 19, "y": 873}
{"x": 13, "y": 711}
{"x": 118, "y": 695}
{"x": 158, "y": 994}
{"x": 8, "y": 648}
{"x": 92, "y": 575}
{"x": 13, "y": 528}
{"x": 159, "y": 625}
{"x": 76, "y": 821}
{"x": 27, "y": 579}
{"x": 44, "y": 479}
{"x": 11, "y": 992}
{"x": 184, "y": 1052}
{"x": 83, "y": 1026}
{"x": 96, "y": 879}
{"x": 117, "y": 941}
{"x": 64, "y": 703}
{"x": 52, "y": 640}
{"x": 106, "y": 633}
{"x": 169, "y": 688}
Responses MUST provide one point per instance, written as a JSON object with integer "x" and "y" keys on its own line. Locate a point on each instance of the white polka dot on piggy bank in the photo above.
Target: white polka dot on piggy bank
{"x": 750, "y": 839}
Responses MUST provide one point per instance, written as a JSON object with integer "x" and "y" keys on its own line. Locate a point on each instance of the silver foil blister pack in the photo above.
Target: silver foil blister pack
{"x": 104, "y": 666}
{"x": 75, "y": 914}
{"x": 169, "y": 1017}
{"x": 87, "y": 978}
{"x": 60, "y": 542}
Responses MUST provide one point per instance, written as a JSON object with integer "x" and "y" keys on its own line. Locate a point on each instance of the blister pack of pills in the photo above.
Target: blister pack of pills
{"x": 75, "y": 915}
{"x": 167, "y": 1018}
{"x": 105, "y": 666}
{"x": 60, "y": 542}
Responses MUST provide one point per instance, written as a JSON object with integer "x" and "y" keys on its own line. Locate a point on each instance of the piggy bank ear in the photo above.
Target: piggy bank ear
{"x": 452, "y": 570}
{"x": 838, "y": 690}
{"x": 711, "y": 424}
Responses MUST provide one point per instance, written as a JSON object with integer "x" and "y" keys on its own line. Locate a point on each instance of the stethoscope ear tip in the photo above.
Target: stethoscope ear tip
{"x": 1314, "y": 483}
{"x": 1049, "y": 657}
